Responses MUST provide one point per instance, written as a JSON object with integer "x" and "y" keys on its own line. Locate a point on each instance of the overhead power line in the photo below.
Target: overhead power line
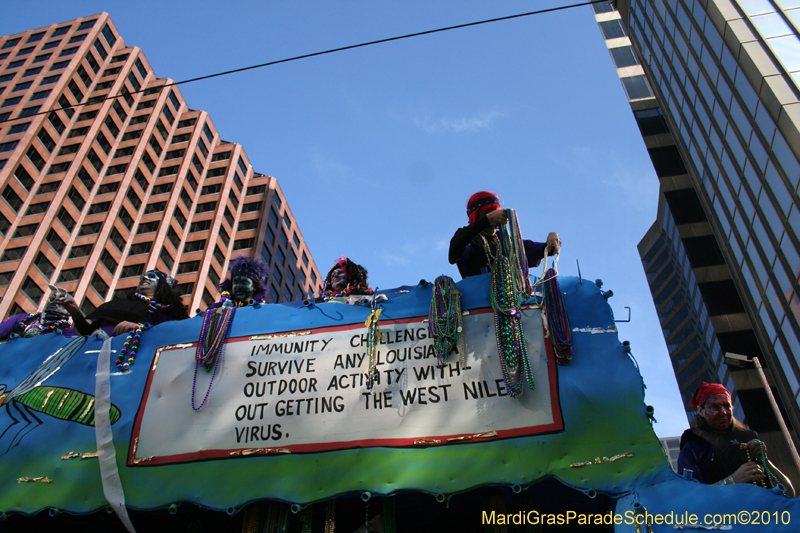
{"x": 333, "y": 50}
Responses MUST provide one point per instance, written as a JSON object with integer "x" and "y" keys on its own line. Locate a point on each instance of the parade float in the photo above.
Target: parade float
{"x": 303, "y": 415}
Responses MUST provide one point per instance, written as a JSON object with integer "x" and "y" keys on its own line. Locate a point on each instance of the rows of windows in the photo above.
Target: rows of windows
{"x": 90, "y": 181}
{"x": 748, "y": 172}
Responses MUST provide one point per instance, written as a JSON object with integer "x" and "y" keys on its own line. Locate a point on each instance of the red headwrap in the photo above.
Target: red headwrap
{"x": 481, "y": 202}
{"x": 706, "y": 391}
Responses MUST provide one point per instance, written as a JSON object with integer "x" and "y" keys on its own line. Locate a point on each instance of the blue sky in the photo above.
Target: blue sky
{"x": 377, "y": 149}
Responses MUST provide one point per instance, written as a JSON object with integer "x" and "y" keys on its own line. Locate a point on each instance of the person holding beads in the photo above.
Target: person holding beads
{"x": 485, "y": 214}
{"x": 720, "y": 450}
{"x": 155, "y": 300}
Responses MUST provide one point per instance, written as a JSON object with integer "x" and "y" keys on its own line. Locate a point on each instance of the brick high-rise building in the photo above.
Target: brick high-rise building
{"x": 96, "y": 193}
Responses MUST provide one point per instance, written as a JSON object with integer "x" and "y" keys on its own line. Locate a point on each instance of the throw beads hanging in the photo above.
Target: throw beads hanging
{"x": 373, "y": 339}
{"x": 560, "y": 333}
{"x": 514, "y": 247}
{"x": 211, "y": 345}
{"x": 770, "y": 479}
{"x": 507, "y": 305}
{"x": 129, "y": 349}
{"x": 445, "y": 321}
{"x": 150, "y": 302}
{"x": 35, "y": 324}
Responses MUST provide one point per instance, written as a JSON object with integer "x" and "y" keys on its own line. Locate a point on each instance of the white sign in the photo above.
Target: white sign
{"x": 306, "y": 391}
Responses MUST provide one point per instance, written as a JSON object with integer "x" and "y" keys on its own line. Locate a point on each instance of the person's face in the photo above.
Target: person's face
{"x": 338, "y": 279}
{"x": 718, "y": 412}
{"x": 242, "y": 288}
{"x": 148, "y": 284}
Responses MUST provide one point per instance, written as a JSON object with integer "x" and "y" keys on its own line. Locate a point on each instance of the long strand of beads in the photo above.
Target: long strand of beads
{"x": 512, "y": 237}
{"x": 211, "y": 346}
{"x": 445, "y": 322}
{"x": 511, "y": 345}
{"x": 373, "y": 339}
{"x": 560, "y": 333}
{"x": 129, "y": 349}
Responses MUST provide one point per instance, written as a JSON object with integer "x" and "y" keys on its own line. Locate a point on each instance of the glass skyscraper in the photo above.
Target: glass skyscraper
{"x": 715, "y": 88}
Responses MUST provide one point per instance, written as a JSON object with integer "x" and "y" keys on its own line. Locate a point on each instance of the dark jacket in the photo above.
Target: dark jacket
{"x": 466, "y": 249}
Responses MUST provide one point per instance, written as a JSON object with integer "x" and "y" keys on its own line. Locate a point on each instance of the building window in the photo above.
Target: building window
{"x": 636, "y": 87}
{"x": 188, "y": 267}
{"x": 12, "y": 199}
{"x": 66, "y": 219}
{"x": 80, "y": 251}
{"x": 89, "y": 229}
{"x": 131, "y": 271}
{"x": 109, "y": 35}
{"x": 201, "y": 225}
{"x": 194, "y": 246}
{"x": 245, "y": 225}
{"x": 243, "y": 244}
{"x": 155, "y": 207}
{"x": 108, "y": 261}
{"x": 185, "y": 289}
{"x": 651, "y": 121}
{"x": 140, "y": 248}
{"x": 32, "y": 290}
{"x": 211, "y": 189}
{"x": 24, "y": 178}
{"x": 99, "y": 285}
{"x": 70, "y": 274}
{"x": 206, "y": 207}
{"x": 167, "y": 259}
{"x": 612, "y": 29}
{"x": 251, "y": 207}
{"x": 116, "y": 237}
{"x": 13, "y": 254}
{"x": 26, "y": 230}
{"x": 44, "y": 265}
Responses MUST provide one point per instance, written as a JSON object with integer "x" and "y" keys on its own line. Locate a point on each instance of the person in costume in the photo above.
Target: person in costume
{"x": 485, "y": 214}
{"x": 720, "y": 450}
{"x": 346, "y": 282}
{"x": 156, "y": 300}
{"x": 246, "y": 283}
{"x": 53, "y": 319}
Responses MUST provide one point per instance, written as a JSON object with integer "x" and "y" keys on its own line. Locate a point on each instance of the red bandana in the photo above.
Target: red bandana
{"x": 706, "y": 391}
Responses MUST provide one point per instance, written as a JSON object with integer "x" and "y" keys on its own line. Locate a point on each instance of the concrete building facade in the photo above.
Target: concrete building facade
{"x": 106, "y": 172}
{"x": 719, "y": 111}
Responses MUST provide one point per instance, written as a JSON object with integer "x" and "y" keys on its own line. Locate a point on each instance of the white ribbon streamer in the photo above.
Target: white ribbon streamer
{"x": 109, "y": 473}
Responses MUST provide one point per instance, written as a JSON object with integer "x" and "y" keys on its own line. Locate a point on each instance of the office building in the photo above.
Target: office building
{"x": 714, "y": 88}
{"x": 671, "y": 446}
{"x": 106, "y": 172}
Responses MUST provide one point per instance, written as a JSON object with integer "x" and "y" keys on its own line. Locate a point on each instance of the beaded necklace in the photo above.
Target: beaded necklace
{"x": 152, "y": 303}
{"x": 373, "y": 339}
{"x": 129, "y": 349}
{"x": 211, "y": 345}
{"x": 558, "y": 323}
{"x": 31, "y": 325}
{"x": 773, "y": 481}
{"x": 226, "y": 301}
{"x": 445, "y": 321}
{"x": 346, "y": 291}
{"x": 506, "y": 302}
